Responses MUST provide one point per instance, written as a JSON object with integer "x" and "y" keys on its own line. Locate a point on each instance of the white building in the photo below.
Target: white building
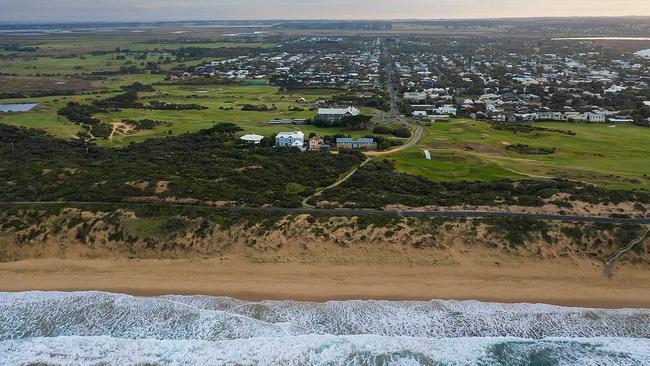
{"x": 252, "y": 138}
{"x": 551, "y": 116}
{"x": 595, "y": 117}
{"x": 290, "y": 139}
{"x": 446, "y": 109}
{"x": 336, "y": 114}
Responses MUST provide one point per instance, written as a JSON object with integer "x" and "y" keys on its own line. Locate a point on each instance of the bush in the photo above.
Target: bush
{"x": 530, "y": 150}
{"x": 402, "y": 132}
{"x": 382, "y": 130}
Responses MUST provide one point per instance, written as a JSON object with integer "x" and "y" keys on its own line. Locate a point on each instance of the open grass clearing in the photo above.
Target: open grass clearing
{"x": 613, "y": 157}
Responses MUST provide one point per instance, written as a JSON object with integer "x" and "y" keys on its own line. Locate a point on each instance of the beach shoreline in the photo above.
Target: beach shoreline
{"x": 556, "y": 283}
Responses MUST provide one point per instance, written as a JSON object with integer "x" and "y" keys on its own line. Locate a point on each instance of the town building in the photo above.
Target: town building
{"x": 336, "y": 114}
{"x": 252, "y": 138}
{"x": 317, "y": 144}
{"x": 595, "y": 117}
{"x": 446, "y": 109}
{"x": 346, "y": 143}
{"x": 290, "y": 139}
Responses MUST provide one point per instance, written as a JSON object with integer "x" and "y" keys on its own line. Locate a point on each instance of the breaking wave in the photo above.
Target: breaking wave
{"x": 89, "y": 328}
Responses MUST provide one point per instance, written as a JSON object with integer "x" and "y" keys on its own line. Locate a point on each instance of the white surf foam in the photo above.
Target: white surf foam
{"x": 328, "y": 350}
{"x": 37, "y": 314}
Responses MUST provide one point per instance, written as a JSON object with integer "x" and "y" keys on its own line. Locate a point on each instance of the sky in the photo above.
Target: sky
{"x": 154, "y": 10}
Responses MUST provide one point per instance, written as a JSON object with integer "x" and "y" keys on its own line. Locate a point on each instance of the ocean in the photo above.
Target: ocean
{"x": 96, "y": 328}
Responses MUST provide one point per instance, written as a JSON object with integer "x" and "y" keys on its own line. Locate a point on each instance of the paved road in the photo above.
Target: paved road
{"x": 415, "y": 138}
{"x": 361, "y": 212}
{"x": 390, "y": 85}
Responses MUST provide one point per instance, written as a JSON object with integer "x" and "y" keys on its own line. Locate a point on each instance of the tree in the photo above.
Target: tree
{"x": 356, "y": 122}
{"x": 224, "y": 130}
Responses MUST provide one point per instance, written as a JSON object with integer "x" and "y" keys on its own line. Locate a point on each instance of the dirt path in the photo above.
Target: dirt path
{"x": 417, "y": 135}
{"x": 609, "y": 262}
{"x": 117, "y": 126}
{"x": 335, "y": 184}
{"x": 370, "y": 155}
{"x": 110, "y": 137}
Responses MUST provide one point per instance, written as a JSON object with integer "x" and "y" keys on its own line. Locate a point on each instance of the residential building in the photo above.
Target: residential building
{"x": 336, "y": 114}
{"x": 361, "y": 143}
{"x": 290, "y": 139}
{"x": 595, "y": 117}
{"x": 317, "y": 144}
{"x": 446, "y": 109}
{"x": 620, "y": 120}
{"x": 551, "y": 116}
{"x": 252, "y": 138}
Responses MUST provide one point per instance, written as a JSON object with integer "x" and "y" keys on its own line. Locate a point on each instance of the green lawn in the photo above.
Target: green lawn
{"x": 615, "y": 157}
{"x": 45, "y": 115}
{"x": 226, "y": 97}
{"x": 65, "y": 59}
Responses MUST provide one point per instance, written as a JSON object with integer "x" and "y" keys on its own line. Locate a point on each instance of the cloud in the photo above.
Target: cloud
{"x": 146, "y": 10}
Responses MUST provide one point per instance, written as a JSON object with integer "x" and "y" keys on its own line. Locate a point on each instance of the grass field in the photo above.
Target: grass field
{"x": 45, "y": 115}
{"x": 62, "y": 61}
{"x": 461, "y": 149}
{"x": 614, "y": 157}
{"x": 214, "y": 97}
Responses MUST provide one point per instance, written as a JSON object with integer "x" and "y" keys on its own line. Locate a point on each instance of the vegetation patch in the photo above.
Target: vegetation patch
{"x": 378, "y": 184}
{"x": 102, "y": 174}
{"x": 530, "y": 150}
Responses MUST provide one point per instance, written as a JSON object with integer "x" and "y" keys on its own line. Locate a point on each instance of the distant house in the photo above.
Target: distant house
{"x": 527, "y": 117}
{"x": 252, "y": 138}
{"x": 439, "y": 117}
{"x": 346, "y": 143}
{"x": 595, "y": 117}
{"x": 498, "y": 116}
{"x": 551, "y": 116}
{"x": 414, "y": 96}
{"x": 620, "y": 120}
{"x": 317, "y": 143}
{"x": 290, "y": 139}
{"x": 336, "y": 114}
{"x": 446, "y": 109}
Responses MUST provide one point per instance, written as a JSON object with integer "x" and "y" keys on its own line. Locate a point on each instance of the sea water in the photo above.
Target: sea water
{"x": 94, "y": 328}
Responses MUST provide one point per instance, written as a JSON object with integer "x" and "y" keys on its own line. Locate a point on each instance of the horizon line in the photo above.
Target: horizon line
{"x": 124, "y": 21}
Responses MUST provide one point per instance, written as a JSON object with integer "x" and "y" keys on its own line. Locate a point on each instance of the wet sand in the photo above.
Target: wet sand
{"x": 557, "y": 282}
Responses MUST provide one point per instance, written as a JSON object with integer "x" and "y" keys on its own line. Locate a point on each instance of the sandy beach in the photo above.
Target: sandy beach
{"x": 558, "y": 282}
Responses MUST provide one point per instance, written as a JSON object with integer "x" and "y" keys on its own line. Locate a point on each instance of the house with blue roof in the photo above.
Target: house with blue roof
{"x": 347, "y": 143}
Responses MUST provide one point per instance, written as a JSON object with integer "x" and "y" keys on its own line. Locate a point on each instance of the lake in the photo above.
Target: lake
{"x": 18, "y": 107}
